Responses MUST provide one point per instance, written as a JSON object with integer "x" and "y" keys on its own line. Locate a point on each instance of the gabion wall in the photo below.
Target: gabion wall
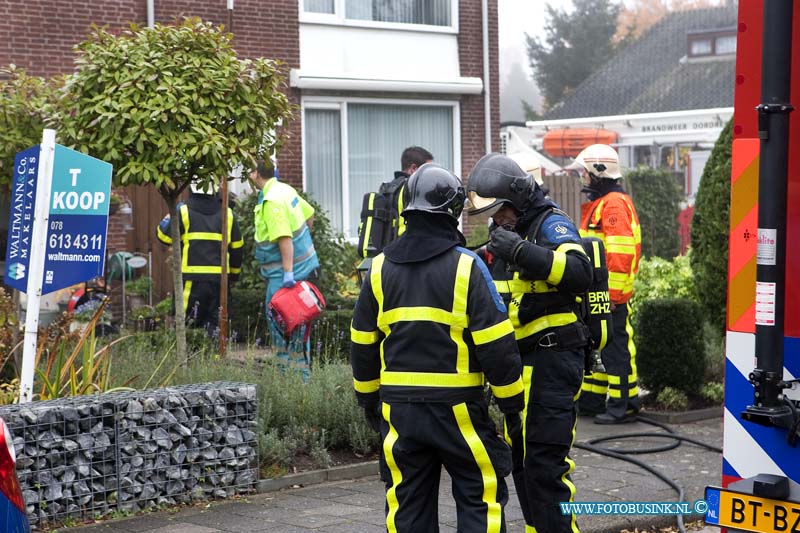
{"x": 87, "y": 456}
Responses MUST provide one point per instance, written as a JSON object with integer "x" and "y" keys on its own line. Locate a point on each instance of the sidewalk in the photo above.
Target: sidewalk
{"x": 357, "y": 505}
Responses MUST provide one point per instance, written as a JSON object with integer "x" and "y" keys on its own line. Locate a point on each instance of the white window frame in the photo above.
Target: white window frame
{"x": 340, "y": 104}
{"x": 337, "y": 18}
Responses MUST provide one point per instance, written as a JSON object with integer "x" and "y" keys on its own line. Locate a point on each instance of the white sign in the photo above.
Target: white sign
{"x": 765, "y": 303}
{"x": 766, "y": 250}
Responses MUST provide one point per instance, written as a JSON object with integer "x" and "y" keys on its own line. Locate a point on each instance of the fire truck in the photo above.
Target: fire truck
{"x": 761, "y": 466}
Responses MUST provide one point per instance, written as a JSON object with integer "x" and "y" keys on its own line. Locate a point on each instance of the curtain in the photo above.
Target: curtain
{"x": 377, "y": 136}
{"x": 324, "y": 161}
{"x": 431, "y": 12}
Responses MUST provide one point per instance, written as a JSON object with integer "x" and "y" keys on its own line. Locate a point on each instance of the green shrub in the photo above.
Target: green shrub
{"x": 714, "y": 392}
{"x": 248, "y": 319}
{"x": 710, "y": 229}
{"x": 669, "y": 342}
{"x": 715, "y": 353}
{"x": 330, "y": 336}
{"x": 657, "y": 197}
{"x": 659, "y": 278}
{"x": 673, "y": 399}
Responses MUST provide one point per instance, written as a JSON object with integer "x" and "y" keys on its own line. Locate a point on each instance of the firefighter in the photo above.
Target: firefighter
{"x": 610, "y": 215}
{"x": 539, "y": 267}
{"x": 201, "y": 234}
{"x": 286, "y": 253}
{"x": 428, "y": 329}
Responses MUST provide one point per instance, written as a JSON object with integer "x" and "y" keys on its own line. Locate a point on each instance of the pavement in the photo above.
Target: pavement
{"x": 357, "y": 505}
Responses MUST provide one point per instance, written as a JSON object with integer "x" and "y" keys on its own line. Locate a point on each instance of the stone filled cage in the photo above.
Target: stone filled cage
{"x": 87, "y": 456}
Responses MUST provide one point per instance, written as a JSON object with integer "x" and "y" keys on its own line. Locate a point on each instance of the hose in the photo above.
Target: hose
{"x": 622, "y": 454}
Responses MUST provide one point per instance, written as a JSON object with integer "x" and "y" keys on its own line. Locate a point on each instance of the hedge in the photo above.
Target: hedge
{"x": 656, "y": 197}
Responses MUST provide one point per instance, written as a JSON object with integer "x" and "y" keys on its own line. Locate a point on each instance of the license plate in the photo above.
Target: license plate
{"x": 751, "y": 513}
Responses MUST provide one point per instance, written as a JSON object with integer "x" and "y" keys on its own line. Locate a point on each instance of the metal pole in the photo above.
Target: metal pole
{"x": 124, "y": 268}
{"x": 223, "y": 285}
{"x": 41, "y": 217}
{"x": 773, "y": 130}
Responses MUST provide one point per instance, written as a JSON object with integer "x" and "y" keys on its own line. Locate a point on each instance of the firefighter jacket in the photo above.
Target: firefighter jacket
{"x": 432, "y": 331}
{"x": 200, "y": 220}
{"x": 613, "y": 219}
{"x": 281, "y": 212}
{"x": 543, "y": 286}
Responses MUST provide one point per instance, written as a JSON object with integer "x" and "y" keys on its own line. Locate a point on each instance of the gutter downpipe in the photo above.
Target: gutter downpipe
{"x": 151, "y": 13}
{"x": 487, "y": 103}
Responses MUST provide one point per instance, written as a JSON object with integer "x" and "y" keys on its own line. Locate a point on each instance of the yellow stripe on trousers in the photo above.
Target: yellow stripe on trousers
{"x": 494, "y": 511}
{"x": 397, "y": 476}
{"x": 567, "y": 482}
{"x": 187, "y": 290}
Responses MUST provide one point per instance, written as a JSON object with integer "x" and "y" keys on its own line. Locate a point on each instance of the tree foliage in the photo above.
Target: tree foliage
{"x": 576, "y": 43}
{"x": 638, "y": 16}
{"x": 24, "y": 102}
{"x": 170, "y": 105}
{"x": 710, "y": 230}
{"x": 657, "y": 198}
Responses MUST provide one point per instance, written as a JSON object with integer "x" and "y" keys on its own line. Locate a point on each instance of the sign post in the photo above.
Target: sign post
{"x": 36, "y": 262}
{"x": 57, "y": 230}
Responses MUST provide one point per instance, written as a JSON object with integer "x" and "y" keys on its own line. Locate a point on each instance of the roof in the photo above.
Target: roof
{"x": 652, "y": 75}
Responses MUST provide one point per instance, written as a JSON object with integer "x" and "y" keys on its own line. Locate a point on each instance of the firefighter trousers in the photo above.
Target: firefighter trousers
{"x": 541, "y": 440}
{"x": 616, "y": 392}
{"x": 418, "y": 439}
{"x": 201, "y": 304}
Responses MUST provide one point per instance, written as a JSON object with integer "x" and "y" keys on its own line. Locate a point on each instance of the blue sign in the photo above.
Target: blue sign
{"x": 76, "y": 233}
{"x": 20, "y": 220}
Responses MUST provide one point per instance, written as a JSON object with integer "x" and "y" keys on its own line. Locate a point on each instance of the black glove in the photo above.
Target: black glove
{"x": 505, "y": 244}
{"x": 514, "y": 426}
{"x": 373, "y": 416}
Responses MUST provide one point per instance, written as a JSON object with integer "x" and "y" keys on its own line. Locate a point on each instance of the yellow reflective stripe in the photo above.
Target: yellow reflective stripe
{"x": 237, "y": 244}
{"x": 163, "y": 237}
{"x": 621, "y": 239}
{"x": 603, "y": 334}
{"x": 430, "y": 314}
{"x": 363, "y": 337}
{"x": 201, "y": 236}
{"x": 571, "y": 247}
{"x": 366, "y": 387}
{"x": 542, "y": 323}
{"x": 397, "y": 476}
{"x": 530, "y": 529}
{"x": 507, "y": 391}
{"x": 594, "y": 388}
{"x": 614, "y": 380}
{"x": 622, "y": 249}
{"x": 494, "y": 511}
{"x": 431, "y": 379}
{"x": 460, "y": 296}
{"x": 187, "y": 289}
{"x": 492, "y": 333}
{"x": 557, "y": 270}
{"x": 567, "y": 481}
{"x": 202, "y": 270}
{"x": 377, "y": 291}
{"x": 596, "y": 253}
{"x": 233, "y": 270}
{"x": 527, "y": 379}
{"x": 368, "y": 229}
{"x": 522, "y": 286}
{"x": 184, "y": 211}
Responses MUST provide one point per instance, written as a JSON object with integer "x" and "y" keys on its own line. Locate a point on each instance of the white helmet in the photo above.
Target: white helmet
{"x": 530, "y": 164}
{"x": 599, "y": 160}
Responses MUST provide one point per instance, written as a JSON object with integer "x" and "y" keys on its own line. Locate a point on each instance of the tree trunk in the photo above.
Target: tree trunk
{"x": 177, "y": 281}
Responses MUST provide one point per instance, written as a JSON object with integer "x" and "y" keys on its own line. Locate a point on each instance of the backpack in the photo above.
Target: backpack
{"x": 380, "y": 217}
{"x": 595, "y": 303}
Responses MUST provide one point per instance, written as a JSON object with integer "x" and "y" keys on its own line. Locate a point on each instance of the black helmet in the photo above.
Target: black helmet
{"x": 434, "y": 189}
{"x": 496, "y": 180}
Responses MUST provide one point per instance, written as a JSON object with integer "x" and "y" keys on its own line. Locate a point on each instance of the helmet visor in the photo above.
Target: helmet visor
{"x": 478, "y": 205}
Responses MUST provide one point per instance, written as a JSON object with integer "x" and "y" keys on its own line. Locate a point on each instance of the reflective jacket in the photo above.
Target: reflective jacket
{"x": 281, "y": 212}
{"x": 613, "y": 219}
{"x": 430, "y": 331}
{"x": 542, "y": 298}
{"x": 201, "y": 237}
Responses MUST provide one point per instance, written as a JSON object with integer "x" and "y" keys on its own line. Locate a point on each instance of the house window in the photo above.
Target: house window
{"x": 319, "y": 6}
{"x": 351, "y": 147}
{"x": 712, "y": 43}
{"x": 429, "y": 12}
{"x": 700, "y": 47}
{"x": 725, "y": 44}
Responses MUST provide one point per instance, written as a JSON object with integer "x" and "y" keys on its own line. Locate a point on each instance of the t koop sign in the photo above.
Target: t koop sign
{"x": 76, "y": 218}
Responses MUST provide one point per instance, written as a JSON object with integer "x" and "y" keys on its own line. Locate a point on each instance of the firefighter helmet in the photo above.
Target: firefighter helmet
{"x": 434, "y": 189}
{"x": 599, "y": 160}
{"x": 496, "y": 180}
{"x": 528, "y": 162}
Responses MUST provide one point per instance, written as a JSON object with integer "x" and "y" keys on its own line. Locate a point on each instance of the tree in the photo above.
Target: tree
{"x": 637, "y": 17}
{"x": 168, "y": 106}
{"x": 710, "y": 230}
{"x": 576, "y": 44}
{"x": 23, "y": 104}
